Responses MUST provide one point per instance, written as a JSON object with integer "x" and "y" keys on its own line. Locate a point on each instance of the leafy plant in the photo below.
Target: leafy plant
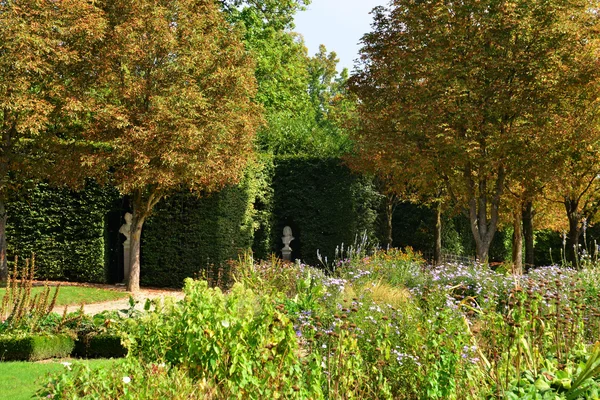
{"x": 26, "y": 313}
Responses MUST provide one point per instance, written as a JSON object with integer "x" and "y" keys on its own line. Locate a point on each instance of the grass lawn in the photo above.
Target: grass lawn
{"x": 79, "y": 294}
{"x": 20, "y": 380}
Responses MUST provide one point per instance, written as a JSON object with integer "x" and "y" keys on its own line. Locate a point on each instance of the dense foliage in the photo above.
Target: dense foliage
{"x": 189, "y": 236}
{"x": 324, "y": 203}
{"x": 43, "y": 44}
{"x": 463, "y": 95}
{"x": 65, "y": 229}
{"x": 381, "y": 326}
{"x": 173, "y": 104}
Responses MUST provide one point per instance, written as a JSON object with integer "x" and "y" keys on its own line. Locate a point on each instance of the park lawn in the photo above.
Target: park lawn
{"x": 21, "y": 379}
{"x": 68, "y": 295}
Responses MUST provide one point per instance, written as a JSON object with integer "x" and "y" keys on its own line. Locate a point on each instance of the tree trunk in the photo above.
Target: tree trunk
{"x": 517, "y": 242}
{"x": 572, "y": 245}
{"x": 437, "y": 250}
{"x": 389, "y": 214}
{"x": 483, "y": 227}
{"x": 528, "y": 234}
{"x": 137, "y": 222}
{"x": 483, "y": 250}
{"x": 3, "y": 260}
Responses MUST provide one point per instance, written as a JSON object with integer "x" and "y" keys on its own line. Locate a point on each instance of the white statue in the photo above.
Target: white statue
{"x": 126, "y": 227}
{"x": 126, "y": 231}
{"x": 287, "y": 238}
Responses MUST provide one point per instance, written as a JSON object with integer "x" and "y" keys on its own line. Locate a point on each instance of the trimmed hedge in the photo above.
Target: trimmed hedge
{"x": 34, "y": 348}
{"x": 65, "y": 229}
{"x": 99, "y": 346}
{"x": 189, "y": 236}
{"x": 324, "y": 203}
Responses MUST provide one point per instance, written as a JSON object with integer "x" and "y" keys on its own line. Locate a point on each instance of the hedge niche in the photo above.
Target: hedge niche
{"x": 65, "y": 230}
{"x": 99, "y": 346}
{"x": 190, "y": 236}
{"x": 324, "y": 203}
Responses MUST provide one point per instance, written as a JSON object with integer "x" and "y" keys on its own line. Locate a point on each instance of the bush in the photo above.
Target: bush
{"x": 238, "y": 342}
{"x": 128, "y": 380}
{"x": 35, "y": 347}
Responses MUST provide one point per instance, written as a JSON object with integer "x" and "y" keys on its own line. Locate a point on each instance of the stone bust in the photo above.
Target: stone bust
{"x": 287, "y": 238}
{"x": 126, "y": 227}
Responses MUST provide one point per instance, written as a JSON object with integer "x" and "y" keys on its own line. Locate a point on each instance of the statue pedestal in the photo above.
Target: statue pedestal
{"x": 126, "y": 260}
{"x": 286, "y": 252}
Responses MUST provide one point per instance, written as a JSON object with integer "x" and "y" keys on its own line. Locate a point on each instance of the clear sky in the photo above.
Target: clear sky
{"x": 338, "y": 24}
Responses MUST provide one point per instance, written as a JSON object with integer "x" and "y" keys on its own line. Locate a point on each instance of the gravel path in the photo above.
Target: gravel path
{"x": 123, "y": 304}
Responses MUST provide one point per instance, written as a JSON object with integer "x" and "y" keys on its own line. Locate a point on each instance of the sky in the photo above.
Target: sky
{"x": 338, "y": 24}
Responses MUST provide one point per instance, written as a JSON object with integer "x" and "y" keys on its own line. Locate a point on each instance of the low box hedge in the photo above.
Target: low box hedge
{"x": 99, "y": 346}
{"x": 35, "y": 347}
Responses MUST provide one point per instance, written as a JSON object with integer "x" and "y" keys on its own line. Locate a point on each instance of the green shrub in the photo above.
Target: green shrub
{"x": 128, "y": 380}
{"x": 454, "y": 332}
{"x": 35, "y": 347}
{"x": 239, "y": 342}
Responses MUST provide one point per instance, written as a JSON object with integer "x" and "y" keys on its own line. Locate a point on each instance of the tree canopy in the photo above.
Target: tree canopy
{"x": 173, "y": 103}
{"x": 42, "y": 47}
{"x": 466, "y": 83}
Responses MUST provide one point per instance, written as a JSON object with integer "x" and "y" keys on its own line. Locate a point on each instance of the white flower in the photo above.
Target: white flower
{"x": 67, "y": 365}
{"x": 126, "y": 379}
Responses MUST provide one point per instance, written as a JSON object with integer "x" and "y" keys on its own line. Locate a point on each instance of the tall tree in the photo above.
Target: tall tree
{"x": 174, "y": 104}
{"x": 294, "y": 88}
{"x": 42, "y": 46}
{"x": 468, "y": 80}
{"x": 280, "y": 55}
{"x": 576, "y": 185}
{"x": 321, "y": 72}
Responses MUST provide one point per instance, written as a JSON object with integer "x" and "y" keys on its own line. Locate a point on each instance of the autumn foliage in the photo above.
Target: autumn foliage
{"x": 42, "y": 45}
{"x": 475, "y": 89}
{"x": 150, "y": 96}
{"x": 172, "y": 103}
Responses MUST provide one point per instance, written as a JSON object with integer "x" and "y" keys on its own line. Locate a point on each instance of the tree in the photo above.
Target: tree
{"x": 576, "y": 184}
{"x": 321, "y": 72}
{"x": 173, "y": 104}
{"x": 280, "y": 55}
{"x": 468, "y": 81}
{"x": 42, "y": 47}
{"x": 533, "y": 169}
{"x": 400, "y": 175}
{"x": 294, "y": 88}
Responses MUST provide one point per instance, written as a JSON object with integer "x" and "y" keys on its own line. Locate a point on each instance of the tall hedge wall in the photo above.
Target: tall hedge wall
{"x": 189, "y": 235}
{"x": 324, "y": 203}
{"x": 65, "y": 229}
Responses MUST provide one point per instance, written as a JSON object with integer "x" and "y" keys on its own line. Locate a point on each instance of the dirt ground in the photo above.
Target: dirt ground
{"x": 141, "y": 296}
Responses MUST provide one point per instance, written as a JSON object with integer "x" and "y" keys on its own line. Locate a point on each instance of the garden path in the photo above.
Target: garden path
{"x": 123, "y": 304}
